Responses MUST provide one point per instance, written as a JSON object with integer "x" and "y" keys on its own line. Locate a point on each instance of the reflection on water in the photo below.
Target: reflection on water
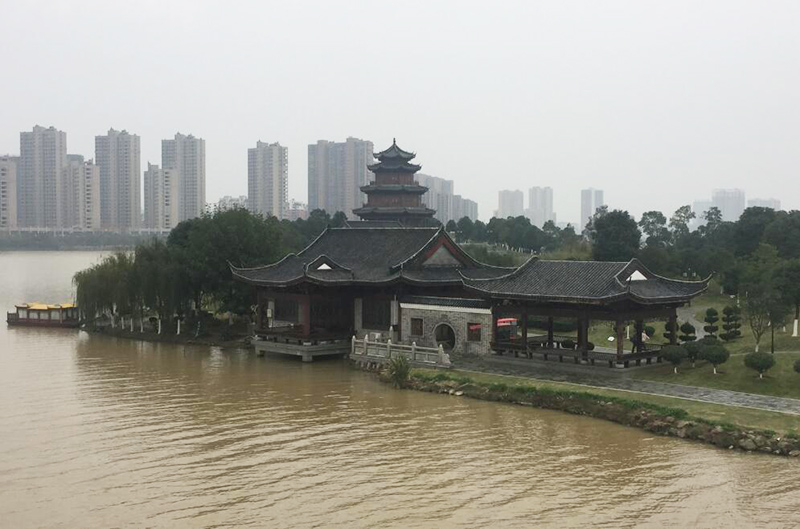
{"x": 100, "y": 432}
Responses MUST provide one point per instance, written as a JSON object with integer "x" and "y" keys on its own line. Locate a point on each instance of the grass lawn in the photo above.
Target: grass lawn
{"x": 780, "y": 381}
{"x": 744, "y": 417}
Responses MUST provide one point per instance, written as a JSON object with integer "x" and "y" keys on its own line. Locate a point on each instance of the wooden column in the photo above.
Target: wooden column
{"x": 550, "y": 332}
{"x": 583, "y": 327}
{"x": 673, "y": 324}
{"x": 494, "y": 326}
{"x": 305, "y": 314}
{"x": 525, "y": 330}
{"x": 620, "y": 328}
{"x": 639, "y": 330}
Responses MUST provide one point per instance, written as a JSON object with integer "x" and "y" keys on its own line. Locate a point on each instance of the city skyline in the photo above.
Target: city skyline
{"x": 681, "y": 106}
{"x": 119, "y": 152}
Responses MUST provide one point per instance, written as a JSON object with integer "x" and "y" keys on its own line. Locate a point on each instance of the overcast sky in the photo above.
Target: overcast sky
{"x": 657, "y": 103}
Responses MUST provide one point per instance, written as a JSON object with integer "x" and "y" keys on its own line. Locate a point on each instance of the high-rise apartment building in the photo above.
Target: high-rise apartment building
{"x": 510, "y": 204}
{"x": 464, "y": 207}
{"x": 591, "y": 200}
{"x": 161, "y": 198}
{"x": 187, "y": 156}
{"x": 268, "y": 179}
{"x": 336, "y": 173}
{"x": 772, "y": 203}
{"x": 43, "y": 153}
{"x": 118, "y": 155}
{"x": 540, "y": 205}
{"x": 8, "y": 191}
{"x": 730, "y": 202}
{"x": 441, "y": 197}
{"x": 296, "y": 210}
{"x": 81, "y": 194}
{"x": 228, "y": 203}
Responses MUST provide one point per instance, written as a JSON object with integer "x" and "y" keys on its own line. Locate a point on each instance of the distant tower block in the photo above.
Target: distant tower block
{"x": 394, "y": 195}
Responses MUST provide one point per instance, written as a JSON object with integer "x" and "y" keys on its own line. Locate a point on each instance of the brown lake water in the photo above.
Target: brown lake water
{"x": 97, "y": 432}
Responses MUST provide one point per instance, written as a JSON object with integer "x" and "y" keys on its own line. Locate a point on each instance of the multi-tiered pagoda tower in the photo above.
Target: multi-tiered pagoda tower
{"x": 394, "y": 195}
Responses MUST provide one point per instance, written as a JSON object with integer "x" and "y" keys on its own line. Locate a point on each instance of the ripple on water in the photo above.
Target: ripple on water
{"x": 99, "y": 432}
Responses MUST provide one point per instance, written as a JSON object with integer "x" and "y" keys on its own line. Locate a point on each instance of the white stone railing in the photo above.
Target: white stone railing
{"x": 383, "y": 351}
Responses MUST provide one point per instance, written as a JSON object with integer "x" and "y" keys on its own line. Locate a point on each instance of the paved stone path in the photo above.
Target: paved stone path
{"x": 618, "y": 379}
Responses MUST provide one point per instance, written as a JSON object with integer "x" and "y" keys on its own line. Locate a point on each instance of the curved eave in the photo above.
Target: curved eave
{"x": 393, "y": 188}
{"x": 394, "y": 167}
{"x": 395, "y": 152}
{"x": 391, "y": 280}
{"x": 578, "y": 300}
{"x": 380, "y": 211}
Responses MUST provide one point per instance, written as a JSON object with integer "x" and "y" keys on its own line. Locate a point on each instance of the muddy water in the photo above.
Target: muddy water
{"x": 99, "y": 432}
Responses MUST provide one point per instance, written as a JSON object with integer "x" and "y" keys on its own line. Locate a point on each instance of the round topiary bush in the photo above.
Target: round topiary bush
{"x": 715, "y": 355}
{"x": 568, "y": 344}
{"x": 589, "y": 346}
{"x": 674, "y": 354}
{"x": 693, "y": 350}
{"x": 761, "y": 362}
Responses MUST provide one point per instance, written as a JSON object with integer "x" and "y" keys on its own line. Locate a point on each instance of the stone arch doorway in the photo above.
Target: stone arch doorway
{"x": 444, "y": 336}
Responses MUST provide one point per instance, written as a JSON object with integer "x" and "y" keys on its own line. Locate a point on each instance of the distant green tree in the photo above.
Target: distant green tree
{"x": 679, "y": 223}
{"x": 711, "y": 319}
{"x": 750, "y": 228}
{"x": 451, "y": 226}
{"x": 616, "y": 237}
{"x": 789, "y": 285}
{"x": 760, "y": 362}
{"x": 465, "y": 227}
{"x": 654, "y": 225}
{"x": 765, "y": 304}
{"x": 731, "y": 323}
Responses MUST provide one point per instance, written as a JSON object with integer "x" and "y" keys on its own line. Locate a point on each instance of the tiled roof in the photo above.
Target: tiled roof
{"x": 362, "y": 254}
{"x": 585, "y": 281}
{"x": 447, "y": 302}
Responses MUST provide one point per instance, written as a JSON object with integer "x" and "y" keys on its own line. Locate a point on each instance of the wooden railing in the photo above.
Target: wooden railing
{"x": 384, "y": 351}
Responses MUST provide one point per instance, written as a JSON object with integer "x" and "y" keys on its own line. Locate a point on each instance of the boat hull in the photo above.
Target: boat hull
{"x": 44, "y": 323}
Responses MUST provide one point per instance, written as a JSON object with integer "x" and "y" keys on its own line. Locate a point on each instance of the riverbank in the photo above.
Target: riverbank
{"x": 655, "y": 418}
{"x": 235, "y": 341}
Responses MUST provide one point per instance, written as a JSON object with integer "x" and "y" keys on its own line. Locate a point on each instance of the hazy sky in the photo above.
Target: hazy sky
{"x": 657, "y": 103}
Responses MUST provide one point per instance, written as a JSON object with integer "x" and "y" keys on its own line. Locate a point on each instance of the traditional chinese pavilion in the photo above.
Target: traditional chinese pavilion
{"x": 394, "y": 195}
{"x": 382, "y": 279}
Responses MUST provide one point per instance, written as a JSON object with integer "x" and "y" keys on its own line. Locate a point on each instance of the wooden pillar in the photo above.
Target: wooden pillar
{"x": 620, "y": 328}
{"x": 525, "y": 328}
{"x": 550, "y": 332}
{"x": 673, "y": 325}
{"x": 583, "y": 329}
{"x": 638, "y": 330}
{"x": 494, "y": 326}
{"x": 305, "y": 314}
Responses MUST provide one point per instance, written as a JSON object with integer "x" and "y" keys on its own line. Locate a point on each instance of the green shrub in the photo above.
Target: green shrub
{"x": 398, "y": 370}
{"x": 589, "y": 346}
{"x": 760, "y": 362}
{"x": 712, "y": 317}
{"x": 649, "y": 330}
{"x": 714, "y": 355}
{"x": 688, "y": 331}
{"x": 568, "y": 344}
{"x": 674, "y": 354}
{"x": 693, "y": 350}
{"x": 797, "y": 366}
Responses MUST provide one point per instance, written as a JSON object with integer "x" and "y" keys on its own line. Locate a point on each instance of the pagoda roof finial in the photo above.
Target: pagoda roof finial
{"x": 395, "y": 152}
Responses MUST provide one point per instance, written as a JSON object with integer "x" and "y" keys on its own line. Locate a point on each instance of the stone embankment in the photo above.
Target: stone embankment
{"x": 659, "y": 420}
